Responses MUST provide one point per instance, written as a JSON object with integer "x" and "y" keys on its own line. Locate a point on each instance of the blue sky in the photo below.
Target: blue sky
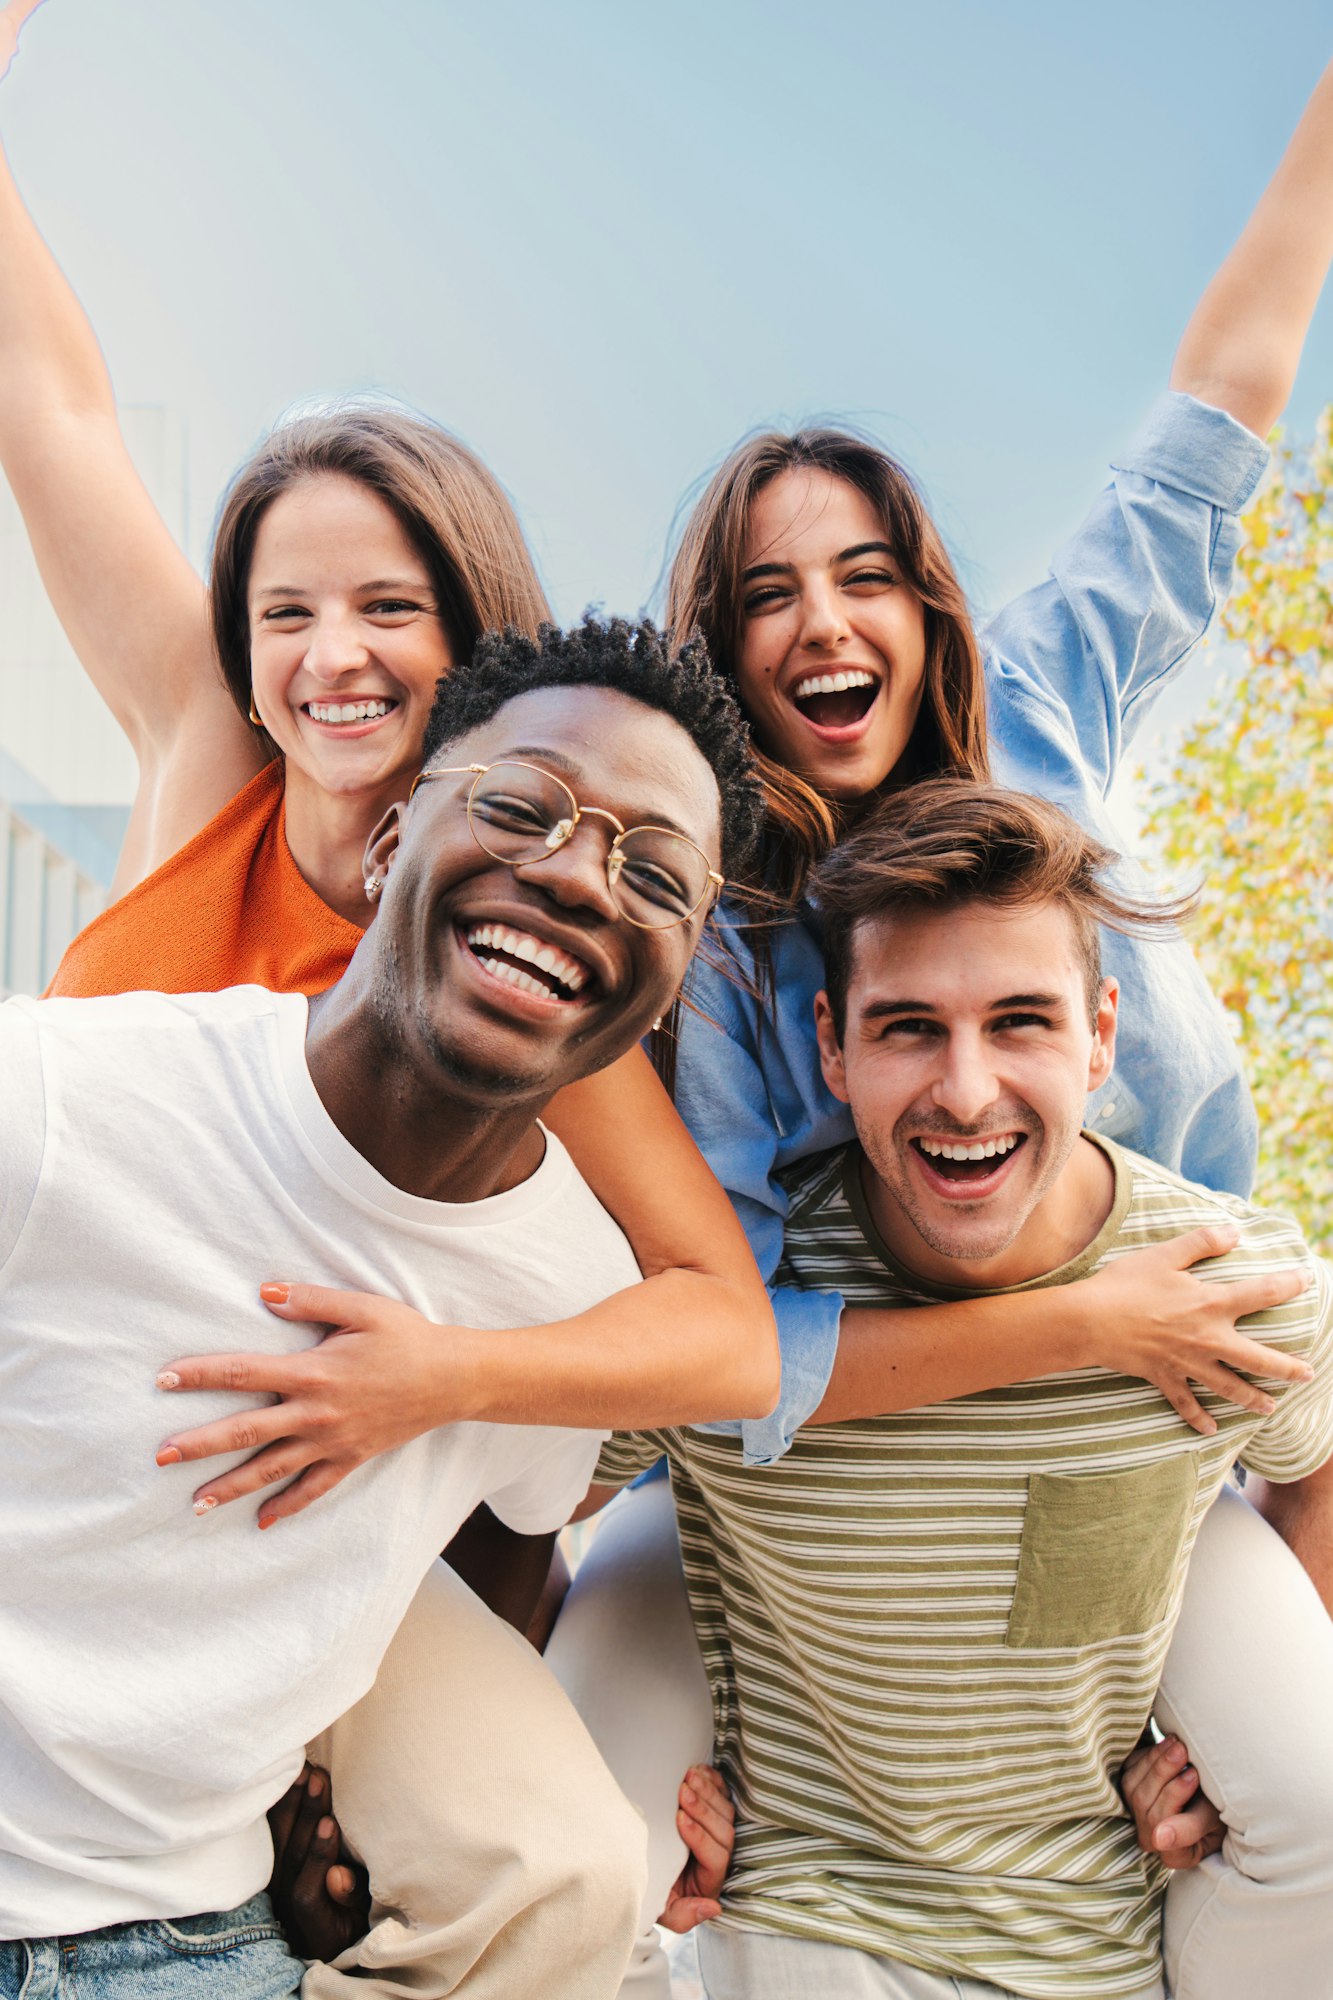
{"x": 601, "y": 239}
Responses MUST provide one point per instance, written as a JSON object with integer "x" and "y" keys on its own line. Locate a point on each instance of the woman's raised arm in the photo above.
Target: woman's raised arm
{"x": 134, "y": 609}
{"x": 1243, "y": 344}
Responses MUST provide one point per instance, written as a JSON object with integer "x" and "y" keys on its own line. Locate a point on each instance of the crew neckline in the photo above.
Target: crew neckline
{"x": 1067, "y": 1273}
{"x": 337, "y": 1160}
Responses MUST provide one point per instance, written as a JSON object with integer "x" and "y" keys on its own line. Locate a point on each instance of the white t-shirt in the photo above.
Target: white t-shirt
{"x": 160, "y": 1158}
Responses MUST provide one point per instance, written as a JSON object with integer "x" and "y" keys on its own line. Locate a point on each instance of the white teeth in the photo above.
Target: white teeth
{"x": 546, "y": 957}
{"x": 833, "y": 683}
{"x": 511, "y": 973}
{"x": 974, "y": 1150}
{"x": 347, "y": 711}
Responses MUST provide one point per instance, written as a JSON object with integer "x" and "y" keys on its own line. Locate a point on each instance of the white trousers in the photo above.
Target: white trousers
{"x": 743, "y": 1965}
{"x": 1248, "y": 1686}
{"x": 505, "y": 1864}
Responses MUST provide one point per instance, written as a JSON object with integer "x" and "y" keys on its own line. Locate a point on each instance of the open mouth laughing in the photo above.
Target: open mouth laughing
{"x": 529, "y": 965}
{"x": 971, "y": 1167}
{"x": 836, "y": 704}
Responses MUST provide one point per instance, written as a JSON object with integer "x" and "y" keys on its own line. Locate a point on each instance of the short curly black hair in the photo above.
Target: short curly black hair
{"x": 636, "y": 660}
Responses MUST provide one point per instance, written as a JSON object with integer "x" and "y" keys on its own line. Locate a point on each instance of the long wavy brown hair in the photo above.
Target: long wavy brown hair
{"x": 704, "y": 598}
{"x": 452, "y": 509}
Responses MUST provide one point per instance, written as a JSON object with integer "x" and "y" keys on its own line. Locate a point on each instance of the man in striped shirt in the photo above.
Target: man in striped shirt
{"x": 933, "y": 1638}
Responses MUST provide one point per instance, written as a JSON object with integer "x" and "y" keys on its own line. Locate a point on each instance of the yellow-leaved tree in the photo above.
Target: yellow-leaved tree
{"x": 1247, "y": 810}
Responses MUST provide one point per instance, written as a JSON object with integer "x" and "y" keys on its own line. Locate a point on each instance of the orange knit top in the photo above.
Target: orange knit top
{"x": 230, "y": 908}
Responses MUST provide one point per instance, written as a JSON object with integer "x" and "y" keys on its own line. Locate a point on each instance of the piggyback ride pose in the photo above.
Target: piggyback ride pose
{"x": 825, "y": 593}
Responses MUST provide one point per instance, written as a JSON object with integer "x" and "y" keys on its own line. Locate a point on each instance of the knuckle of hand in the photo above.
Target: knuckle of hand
{"x": 244, "y": 1437}
{"x": 234, "y": 1375}
{"x": 276, "y": 1471}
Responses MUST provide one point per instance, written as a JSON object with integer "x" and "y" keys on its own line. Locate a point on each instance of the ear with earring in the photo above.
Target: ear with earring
{"x": 255, "y": 716}
{"x": 374, "y": 883}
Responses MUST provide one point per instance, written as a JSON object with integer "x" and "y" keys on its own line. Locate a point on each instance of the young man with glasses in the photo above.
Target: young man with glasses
{"x": 161, "y": 1667}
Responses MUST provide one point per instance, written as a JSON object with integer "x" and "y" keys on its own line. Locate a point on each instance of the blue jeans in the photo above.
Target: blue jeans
{"x": 227, "y": 1954}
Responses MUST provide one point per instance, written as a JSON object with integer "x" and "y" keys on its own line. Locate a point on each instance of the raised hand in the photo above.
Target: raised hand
{"x": 1173, "y": 1818}
{"x": 320, "y": 1893}
{"x": 12, "y": 19}
{"x": 706, "y": 1822}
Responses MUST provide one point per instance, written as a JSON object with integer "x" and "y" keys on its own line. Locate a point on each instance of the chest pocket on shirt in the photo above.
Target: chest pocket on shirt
{"x": 1101, "y": 1552}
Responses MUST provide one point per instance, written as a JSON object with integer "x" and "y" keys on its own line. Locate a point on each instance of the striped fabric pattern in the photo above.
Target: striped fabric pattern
{"x": 933, "y": 1638}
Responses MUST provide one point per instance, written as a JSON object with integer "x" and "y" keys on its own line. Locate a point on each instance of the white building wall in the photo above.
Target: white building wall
{"x": 52, "y": 721}
{"x": 46, "y": 897}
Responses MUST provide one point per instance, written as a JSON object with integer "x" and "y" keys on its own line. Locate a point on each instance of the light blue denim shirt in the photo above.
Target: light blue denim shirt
{"x": 1072, "y": 668}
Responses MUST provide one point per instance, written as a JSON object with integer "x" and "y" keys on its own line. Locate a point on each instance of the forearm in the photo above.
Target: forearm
{"x": 908, "y": 1358}
{"x": 676, "y": 1349}
{"x": 1242, "y": 347}
{"x": 506, "y": 1570}
{"x": 1303, "y": 1515}
{"x": 50, "y": 363}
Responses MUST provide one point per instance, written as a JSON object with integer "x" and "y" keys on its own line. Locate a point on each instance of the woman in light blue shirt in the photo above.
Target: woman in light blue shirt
{"x": 824, "y": 591}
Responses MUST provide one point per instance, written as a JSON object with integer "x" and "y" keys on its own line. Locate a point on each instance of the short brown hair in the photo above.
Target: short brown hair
{"x": 704, "y": 598}
{"x": 453, "y": 511}
{"x": 945, "y": 843}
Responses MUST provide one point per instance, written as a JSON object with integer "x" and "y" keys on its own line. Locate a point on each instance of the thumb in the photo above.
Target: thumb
{"x": 340, "y": 1882}
{"x": 686, "y": 1913}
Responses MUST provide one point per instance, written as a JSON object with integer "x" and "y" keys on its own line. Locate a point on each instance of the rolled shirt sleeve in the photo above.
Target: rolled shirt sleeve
{"x": 1298, "y": 1438}
{"x": 751, "y": 1093}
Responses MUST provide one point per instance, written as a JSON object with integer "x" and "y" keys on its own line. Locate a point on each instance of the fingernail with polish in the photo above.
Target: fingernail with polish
{"x": 275, "y": 1295}
{"x": 205, "y": 1504}
{"x": 168, "y": 1379}
{"x": 169, "y": 1455}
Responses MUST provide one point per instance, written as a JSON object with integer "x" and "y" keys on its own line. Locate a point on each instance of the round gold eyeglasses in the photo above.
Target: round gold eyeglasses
{"x": 522, "y": 814}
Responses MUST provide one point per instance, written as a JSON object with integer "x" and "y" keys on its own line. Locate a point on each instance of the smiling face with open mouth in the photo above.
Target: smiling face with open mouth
{"x": 832, "y": 654}
{"x": 346, "y": 640}
{"x": 521, "y": 977}
{"x": 967, "y": 1056}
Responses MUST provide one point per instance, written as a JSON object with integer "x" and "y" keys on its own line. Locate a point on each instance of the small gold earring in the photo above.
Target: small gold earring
{"x": 257, "y": 719}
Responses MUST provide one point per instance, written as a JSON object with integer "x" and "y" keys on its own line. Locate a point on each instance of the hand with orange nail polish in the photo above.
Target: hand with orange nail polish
{"x": 376, "y": 1375}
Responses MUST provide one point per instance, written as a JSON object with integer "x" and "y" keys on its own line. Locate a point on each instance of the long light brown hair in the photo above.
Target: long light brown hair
{"x": 453, "y": 511}
{"x": 704, "y": 597}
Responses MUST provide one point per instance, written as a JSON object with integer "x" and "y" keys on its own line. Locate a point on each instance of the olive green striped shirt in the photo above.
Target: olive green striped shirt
{"x": 933, "y": 1638}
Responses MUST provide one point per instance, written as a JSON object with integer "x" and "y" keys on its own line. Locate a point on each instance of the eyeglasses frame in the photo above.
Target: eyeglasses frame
{"x": 717, "y": 883}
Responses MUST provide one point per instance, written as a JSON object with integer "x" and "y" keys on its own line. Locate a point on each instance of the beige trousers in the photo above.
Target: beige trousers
{"x": 505, "y": 1863}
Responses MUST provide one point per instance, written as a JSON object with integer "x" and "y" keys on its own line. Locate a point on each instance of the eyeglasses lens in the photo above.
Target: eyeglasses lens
{"x": 521, "y": 814}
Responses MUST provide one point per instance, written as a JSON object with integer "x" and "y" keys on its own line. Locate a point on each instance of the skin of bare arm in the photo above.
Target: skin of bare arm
{"x": 1243, "y": 344}
{"x": 506, "y": 1570}
{"x": 132, "y": 606}
{"x": 1146, "y": 1315}
{"x": 1302, "y": 1513}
